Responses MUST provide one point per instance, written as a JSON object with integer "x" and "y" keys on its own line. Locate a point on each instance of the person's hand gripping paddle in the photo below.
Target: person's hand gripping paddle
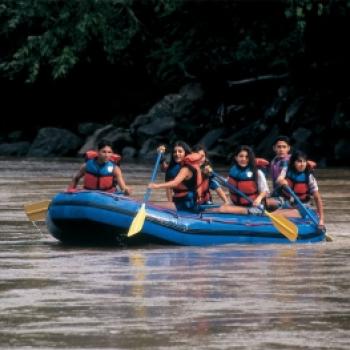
{"x": 139, "y": 219}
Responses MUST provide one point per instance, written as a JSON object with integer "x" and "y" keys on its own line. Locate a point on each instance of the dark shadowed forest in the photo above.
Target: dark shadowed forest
{"x": 147, "y": 72}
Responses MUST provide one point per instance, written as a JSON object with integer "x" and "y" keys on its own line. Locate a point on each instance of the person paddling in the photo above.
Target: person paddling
{"x": 302, "y": 181}
{"x": 186, "y": 177}
{"x": 278, "y": 167}
{"x": 179, "y": 151}
{"x": 100, "y": 171}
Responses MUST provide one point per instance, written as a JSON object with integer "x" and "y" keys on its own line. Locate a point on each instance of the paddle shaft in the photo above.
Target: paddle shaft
{"x": 153, "y": 177}
{"x": 283, "y": 225}
{"x": 301, "y": 206}
{"x": 139, "y": 219}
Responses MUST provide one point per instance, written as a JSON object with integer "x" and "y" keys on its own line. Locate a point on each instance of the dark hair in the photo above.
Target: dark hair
{"x": 200, "y": 147}
{"x": 183, "y": 145}
{"x": 251, "y": 157}
{"x": 294, "y": 157}
{"x": 283, "y": 138}
{"x": 103, "y": 143}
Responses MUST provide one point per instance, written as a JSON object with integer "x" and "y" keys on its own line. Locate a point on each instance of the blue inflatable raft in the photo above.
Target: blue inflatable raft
{"x": 92, "y": 216}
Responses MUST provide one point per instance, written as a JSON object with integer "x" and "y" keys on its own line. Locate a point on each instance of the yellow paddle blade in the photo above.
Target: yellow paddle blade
{"x": 37, "y": 211}
{"x": 138, "y": 221}
{"x": 283, "y": 225}
{"x": 329, "y": 238}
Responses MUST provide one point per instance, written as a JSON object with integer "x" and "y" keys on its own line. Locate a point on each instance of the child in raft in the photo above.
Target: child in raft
{"x": 281, "y": 147}
{"x": 101, "y": 171}
{"x": 302, "y": 181}
{"x": 278, "y": 167}
{"x": 246, "y": 177}
{"x": 208, "y": 182}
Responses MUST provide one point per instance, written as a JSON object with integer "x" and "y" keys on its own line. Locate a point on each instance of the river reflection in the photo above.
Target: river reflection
{"x": 223, "y": 297}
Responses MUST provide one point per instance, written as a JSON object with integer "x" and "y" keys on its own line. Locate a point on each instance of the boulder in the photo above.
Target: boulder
{"x": 211, "y": 137}
{"x": 87, "y": 129}
{"x": 342, "y": 151}
{"x": 52, "y": 142}
{"x": 16, "y": 149}
{"x": 119, "y": 138}
{"x": 162, "y": 116}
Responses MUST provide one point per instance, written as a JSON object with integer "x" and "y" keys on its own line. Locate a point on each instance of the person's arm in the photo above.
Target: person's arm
{"x": 164, "y": 163}
{"x": 214, "y": 185}
{"x": 319, "y": 206}
{"x": 282, "y": 176}
{"x": 281, "y": 180}
{"x": 169, "y": 194}
{"x": 120, "y": 181}
{"x": 317, "y": 198}
{"x": 222, "y": 195}
{"x": 263, "y": 188}
{"x": 184, "y": 174}
{"x": 76, "y": 178}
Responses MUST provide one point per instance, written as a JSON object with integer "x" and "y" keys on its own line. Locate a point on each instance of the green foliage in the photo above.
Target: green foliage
{"x": 58, "y": 34}
{"x": 175, "y": 39}
{"x": 301, "y": 10}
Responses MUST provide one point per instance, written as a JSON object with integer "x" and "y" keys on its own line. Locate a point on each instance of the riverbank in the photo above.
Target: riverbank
{"x": 188, "y": 114}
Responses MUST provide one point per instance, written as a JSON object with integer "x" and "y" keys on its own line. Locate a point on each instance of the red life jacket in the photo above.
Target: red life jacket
{"x": 242, "y": 179}
{"x": 310, "y": 165}
{"x": 193, "y": 162}
{"x": 299, "y": 183}
{"x": 262, "y": 162}
{"x": 100, "y": 176}
{"x": 205, "y": 192}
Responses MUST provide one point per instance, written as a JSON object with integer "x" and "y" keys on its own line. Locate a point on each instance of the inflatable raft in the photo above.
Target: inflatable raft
{"x": 92, "y": 216}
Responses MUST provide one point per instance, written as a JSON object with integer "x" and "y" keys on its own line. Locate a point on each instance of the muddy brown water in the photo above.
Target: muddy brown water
{"x": 159, "y": 297}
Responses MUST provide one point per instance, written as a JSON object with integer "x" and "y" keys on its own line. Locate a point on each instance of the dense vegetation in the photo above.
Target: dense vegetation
{"x": 103, "y": 60}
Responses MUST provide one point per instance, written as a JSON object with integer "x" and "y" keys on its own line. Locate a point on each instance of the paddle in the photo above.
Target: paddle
{"x": 282, "y": 224}
{"x": 140, "y": 217}
{"x": 37, "y": 211}
{"x": 304, "y": 211}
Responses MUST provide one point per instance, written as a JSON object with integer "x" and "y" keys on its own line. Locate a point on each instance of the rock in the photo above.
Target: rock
{"x": 301, "y": 137}
{"x": 148, "y": 150}
{"x": 293, "y": 109}
{"x": 211, "y": 137}
{"x": 278, "y": 103}
{"x": 16, "y": 149}
{"x": 87, "y": 129}
{"x": 119, "y": 138}
{"x": 161, "y": 117}
{"x": 247, "y": 135}
{"x": 157, "y": 127}
{"x": 264, "y": 148}
{"x": 217, "y": 154}
{"x": 15, "y": 136}
{"x": 51, "y": 142}
{"x": 342, "y": 150}
{"x": 341, "y": 118}
{"x": 128, "y": 153}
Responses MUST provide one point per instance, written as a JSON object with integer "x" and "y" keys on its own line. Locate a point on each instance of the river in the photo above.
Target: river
{"x": 159, "y": 297}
